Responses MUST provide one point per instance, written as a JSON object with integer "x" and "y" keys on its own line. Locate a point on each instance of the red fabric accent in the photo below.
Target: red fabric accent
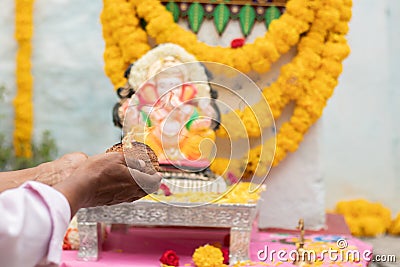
{"x": 238, "y": 42}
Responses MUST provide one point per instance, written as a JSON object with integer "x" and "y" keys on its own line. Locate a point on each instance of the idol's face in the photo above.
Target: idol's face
{"x": 168, "y": 83}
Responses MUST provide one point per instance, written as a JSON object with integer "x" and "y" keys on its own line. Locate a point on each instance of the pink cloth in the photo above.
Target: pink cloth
{"x": 144, "y": 246}
{"x": 34, "y": 218}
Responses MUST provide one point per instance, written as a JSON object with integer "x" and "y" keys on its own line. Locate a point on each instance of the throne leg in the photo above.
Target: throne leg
{"x": 89, "y": 235}
{"x": 239, "y": 244}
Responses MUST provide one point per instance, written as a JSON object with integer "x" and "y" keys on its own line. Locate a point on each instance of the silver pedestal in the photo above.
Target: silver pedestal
{"x": 238, "y": 217}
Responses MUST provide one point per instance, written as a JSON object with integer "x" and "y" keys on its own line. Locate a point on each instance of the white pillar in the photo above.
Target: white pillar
{"x": 295, "y": 188}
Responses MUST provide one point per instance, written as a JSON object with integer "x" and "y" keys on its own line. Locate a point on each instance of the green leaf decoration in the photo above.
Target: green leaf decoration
{"x": 221, "y": 17}
{"x": 247, "y": 16}
{"x": 271, "y": 14}
{"x": 195, "y": 16}
{"x": 174, "y": 9}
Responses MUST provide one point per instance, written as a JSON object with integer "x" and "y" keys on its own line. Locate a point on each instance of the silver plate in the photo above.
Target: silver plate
{"x": 238, "y": 217}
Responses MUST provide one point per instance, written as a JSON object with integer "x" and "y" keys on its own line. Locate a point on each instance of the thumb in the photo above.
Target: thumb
{"x": 148, "y": 183}
{"x": 134, "y": 163}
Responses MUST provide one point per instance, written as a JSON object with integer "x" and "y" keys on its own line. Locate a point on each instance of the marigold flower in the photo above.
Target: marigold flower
{"x": 208, "y": 256}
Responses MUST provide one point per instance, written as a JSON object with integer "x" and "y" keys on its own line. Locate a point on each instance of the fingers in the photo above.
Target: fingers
{"x": 114, "y": 178}
{"x": 148, "y": 183}
{"x": 131, "y": 162}
{"x": 134, "y": 163}
{"x": 127, "y": 194}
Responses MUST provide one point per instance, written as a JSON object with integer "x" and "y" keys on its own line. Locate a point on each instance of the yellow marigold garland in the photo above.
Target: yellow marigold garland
{"x": 124, "y": 39}
{"x": 282, "y": 34}
{"x": 394, "y": 228}
{"x": 308, "y": 80}
{"x": 315, "y": 82}
{"x": 365, "y": 218}
{"x": 24, "y": 80}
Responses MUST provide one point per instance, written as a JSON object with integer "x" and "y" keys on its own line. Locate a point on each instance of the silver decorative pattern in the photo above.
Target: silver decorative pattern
{"x": 89, "y": 240}
{"x": 239, "y": 244}
{"x": 238, "y": 217}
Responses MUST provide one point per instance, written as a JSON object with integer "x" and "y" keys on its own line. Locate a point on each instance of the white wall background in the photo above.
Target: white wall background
{"x": 361, "y": 125}
{"x": 356, "y": 144}
{"x": 73, "y": 98}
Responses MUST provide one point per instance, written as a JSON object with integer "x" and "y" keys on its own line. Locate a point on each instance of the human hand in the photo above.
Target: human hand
{"x": 49, "y": 173}
{"x": 106, "y": 179}
{"x": 56, "y": 171}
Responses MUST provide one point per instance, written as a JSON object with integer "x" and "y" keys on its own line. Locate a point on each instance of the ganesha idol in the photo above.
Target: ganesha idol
{"x": 169, "y": 105}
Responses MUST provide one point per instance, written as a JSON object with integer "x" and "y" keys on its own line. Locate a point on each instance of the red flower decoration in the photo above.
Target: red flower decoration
{"x": 238, "y": 42}
{"x": 66, "y": 246}
{"x": 170, "y": 258}
{"x": 227, "y": 240}
{"x": 225, "y": 253}
{"x": 165, "y": 189}
{"x": 66, "y": 243}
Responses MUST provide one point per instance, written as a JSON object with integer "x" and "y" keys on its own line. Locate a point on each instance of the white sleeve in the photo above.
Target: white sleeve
{"x": 33, "y": 221}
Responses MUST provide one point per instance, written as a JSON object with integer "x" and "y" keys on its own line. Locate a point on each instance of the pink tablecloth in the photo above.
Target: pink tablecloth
{"x": 144, "y": 246}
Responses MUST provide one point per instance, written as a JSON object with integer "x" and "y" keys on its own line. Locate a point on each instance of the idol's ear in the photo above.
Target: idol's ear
{"x": 208, "y": 73}
{"x": 125, "y": 92}
{"x": 128, "y": 71}
{"x": 213, "y": 93}
{"x": 148, "y": 94}
{"x": 120, "y": 92}
{"x": 131, "y": 92}
{"x": 115, "y": 115}
{"x": 188, "y": 92}
{"x": 215, "y": 123}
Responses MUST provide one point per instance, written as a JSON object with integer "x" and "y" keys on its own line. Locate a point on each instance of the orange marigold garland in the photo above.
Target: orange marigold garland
{"x": 282, "y": 34}
{"x": 23, "y": 100}
{"x": 365, "y": 218}
{"x": 308, "y": 80}
{"x": 325, "y": 66}
{"x": 124, "y": 39}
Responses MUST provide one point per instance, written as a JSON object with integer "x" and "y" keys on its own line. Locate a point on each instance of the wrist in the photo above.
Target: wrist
{"x": 76, "y": 194}
{"x": 15, "y": 179}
